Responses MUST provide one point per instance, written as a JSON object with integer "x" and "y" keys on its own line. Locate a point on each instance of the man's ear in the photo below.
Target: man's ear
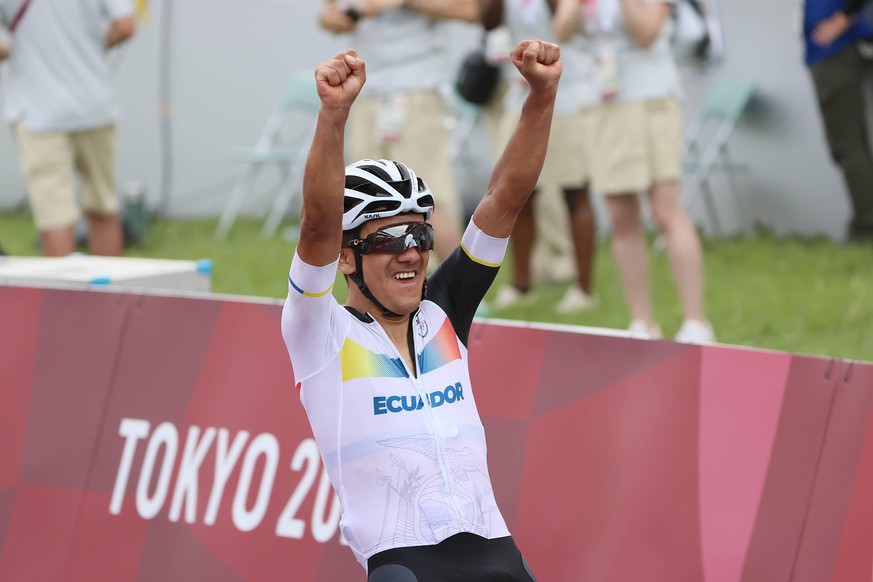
{"x": 347, "y": 261}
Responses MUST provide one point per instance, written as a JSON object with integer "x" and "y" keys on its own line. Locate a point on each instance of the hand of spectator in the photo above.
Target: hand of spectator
{"x": 336, "y": 21}
{"x": 539, "y": 62}
{"x": 339, "y": 80}
{"x": 831, "y": 29}
{"x": 5, "y": 48}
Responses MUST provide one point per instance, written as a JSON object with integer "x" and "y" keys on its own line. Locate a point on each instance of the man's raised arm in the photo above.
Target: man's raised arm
{"x": 339, "y": 81}
{"x": 516, "y": 173}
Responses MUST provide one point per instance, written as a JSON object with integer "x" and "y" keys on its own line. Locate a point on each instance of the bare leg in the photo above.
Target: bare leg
{"x": 583, "y": 229}
{"x": 58, "y": 242}
{"x": 631, "y": 254}
{"x": 683, "y": 246}
{"x": 104, "y": 235}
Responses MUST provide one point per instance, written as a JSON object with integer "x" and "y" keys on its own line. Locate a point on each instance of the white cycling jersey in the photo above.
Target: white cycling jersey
{"x": 404, "y": 449}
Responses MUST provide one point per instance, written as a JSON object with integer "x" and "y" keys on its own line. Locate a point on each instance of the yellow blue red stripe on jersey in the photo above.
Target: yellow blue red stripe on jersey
{"x": 308, "y": 293}
{"x": 357, "y": 361}
{"x": 440, "y": 350}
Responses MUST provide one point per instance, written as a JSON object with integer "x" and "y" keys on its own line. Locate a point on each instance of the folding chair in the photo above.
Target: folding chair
{"x": 706, "y": 145}
{"x": 299, "y": 96}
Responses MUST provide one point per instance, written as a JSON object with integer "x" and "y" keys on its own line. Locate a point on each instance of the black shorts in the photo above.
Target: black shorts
{"x": 464, "y": 557}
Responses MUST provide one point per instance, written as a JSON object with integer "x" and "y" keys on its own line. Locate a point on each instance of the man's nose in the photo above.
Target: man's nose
{"x": 411, "y": 254}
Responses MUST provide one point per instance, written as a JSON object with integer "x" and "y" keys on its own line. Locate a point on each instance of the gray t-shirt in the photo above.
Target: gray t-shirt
{"x": 403, "y": 52}
{"x": 527, "y": 19}
{"x": 643, "y": 73}
{"x": 58, "y": 73}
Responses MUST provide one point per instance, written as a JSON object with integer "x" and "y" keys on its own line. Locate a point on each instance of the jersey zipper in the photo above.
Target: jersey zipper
{"x": 422, "y": 393}
{"x": 441, "y": 459}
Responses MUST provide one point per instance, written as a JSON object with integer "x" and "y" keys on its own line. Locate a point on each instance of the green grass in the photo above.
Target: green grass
{"x": 809, "y": 296}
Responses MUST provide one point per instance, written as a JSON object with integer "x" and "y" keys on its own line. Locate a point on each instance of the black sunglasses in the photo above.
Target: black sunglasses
{"x": 395, "y": 239}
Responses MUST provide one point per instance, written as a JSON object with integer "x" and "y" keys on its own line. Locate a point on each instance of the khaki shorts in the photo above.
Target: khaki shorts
{"x": 633, "y": 145}
{"x": 50, "y": 161}
{"x": 566, "y": 163}
{"x": 422, "y": 144}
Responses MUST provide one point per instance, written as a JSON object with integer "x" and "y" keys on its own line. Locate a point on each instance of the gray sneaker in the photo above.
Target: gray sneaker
{"x": 510, "y": 295}
{"x": 575, "y": 299}
{"x": 639, "y": 329}
{"x": 695, "y": 332}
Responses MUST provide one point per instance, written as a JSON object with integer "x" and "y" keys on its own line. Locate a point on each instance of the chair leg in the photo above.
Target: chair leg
{"x": 291, "y": 186}
{"x": 236, "y": 201}
{"x": 711, "y": 210}
{"x": 739, "y": 193}
{"x": 284, "y": 198}
{"x": 708, "y": 160}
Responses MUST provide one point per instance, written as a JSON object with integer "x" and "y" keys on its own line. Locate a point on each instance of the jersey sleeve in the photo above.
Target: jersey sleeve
{"x": 461, "y": 281}
{"x": 310, "y": 317}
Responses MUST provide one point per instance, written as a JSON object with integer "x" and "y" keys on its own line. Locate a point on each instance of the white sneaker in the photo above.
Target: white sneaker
{"x": 575, "y": 299}
{"x": 695, "y": 332}
{"x": 639, "y": 329}
{"x": 510, "y": 295}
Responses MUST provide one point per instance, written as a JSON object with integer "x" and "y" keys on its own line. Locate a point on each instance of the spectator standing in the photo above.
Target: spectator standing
{"x": 401, "y": 114}
{"x": 635, "y": 142}
{"x": 833, "y": 32}
{"x": 60, "y": 105}
{"x": 566, "y": 165}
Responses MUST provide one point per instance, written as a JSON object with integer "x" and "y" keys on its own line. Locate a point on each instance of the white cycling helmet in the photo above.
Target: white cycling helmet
{"x": 380, "y": 188}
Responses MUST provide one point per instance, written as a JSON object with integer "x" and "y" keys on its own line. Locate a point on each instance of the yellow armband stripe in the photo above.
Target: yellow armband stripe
{"x": 307, "y": 293}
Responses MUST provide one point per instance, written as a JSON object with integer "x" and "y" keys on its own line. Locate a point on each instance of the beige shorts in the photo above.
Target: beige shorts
{"x": 50, "y": 163}
{"x": 422, "y": 143}
{"x": 566, "y": 163}
{"x": 633, "y": 145}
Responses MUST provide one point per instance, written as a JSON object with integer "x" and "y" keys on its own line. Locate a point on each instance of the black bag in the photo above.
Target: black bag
{"x": 477, "y": 79}
{"x": 698, "y": 39}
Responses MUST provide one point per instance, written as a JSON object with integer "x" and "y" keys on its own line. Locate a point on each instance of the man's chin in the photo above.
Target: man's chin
{"x": 403, "y": 307}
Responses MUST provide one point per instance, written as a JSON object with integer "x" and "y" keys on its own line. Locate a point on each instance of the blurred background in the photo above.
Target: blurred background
{"x": 222, "y": 66}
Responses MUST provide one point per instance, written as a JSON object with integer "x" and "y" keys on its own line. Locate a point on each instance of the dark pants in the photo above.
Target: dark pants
{"x": 838, "y": 84}
{"x": 463, "y": 557}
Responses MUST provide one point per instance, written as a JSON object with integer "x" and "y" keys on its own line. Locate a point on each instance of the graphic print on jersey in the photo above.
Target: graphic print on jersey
{"x": 416, "y": 509}
{"x": 357, "y": 361}
{"x": 441, "y": 350}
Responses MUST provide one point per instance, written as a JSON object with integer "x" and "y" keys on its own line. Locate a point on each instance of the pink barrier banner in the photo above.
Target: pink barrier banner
{"x": 158, "y": 438}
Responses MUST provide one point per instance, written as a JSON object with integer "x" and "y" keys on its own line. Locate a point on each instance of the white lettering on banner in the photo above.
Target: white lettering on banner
{"x": 186, "y": 482}
{"x": 165, "y": 437}
{"x": 264, "y": 444}
{"x": 251, "y": 499}
{"x": 225, "y": 460}
{"x": 324, "y": 527}
{"x": 289, "y": 526}
{"x": 132, "y": 429}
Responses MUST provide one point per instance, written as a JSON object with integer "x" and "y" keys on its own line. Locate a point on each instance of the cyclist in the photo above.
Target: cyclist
{"x": 384, "y": 380}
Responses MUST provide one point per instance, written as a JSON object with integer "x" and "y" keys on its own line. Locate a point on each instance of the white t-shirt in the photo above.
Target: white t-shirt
{"x": 526, "y": 19}
{"x": 58, "y": 73}
{"x": 403, "y": 50}
{"x": 405, "y": 449}
{"x": 643, "y": 73}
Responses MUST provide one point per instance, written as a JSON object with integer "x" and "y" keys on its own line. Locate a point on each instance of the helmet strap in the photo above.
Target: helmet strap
{"x": 358, "y": 278}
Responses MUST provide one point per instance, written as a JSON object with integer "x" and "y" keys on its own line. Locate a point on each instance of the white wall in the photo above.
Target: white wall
{"x": 231, "y": 58}
{"x": 793, "y": 186}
